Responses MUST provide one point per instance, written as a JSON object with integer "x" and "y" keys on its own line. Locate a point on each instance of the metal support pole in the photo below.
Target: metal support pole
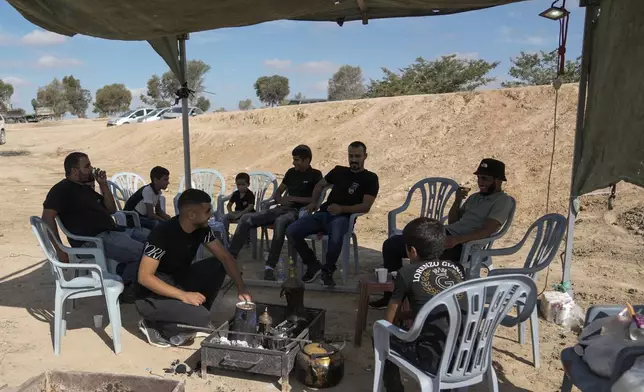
{"x": 573, "y": 207}
{"x": 184, "y": 113}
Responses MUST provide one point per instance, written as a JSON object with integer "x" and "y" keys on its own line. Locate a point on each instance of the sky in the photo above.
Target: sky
{"x": 308, "y": 53}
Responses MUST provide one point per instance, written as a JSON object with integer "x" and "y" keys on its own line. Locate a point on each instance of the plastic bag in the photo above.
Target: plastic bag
{"x": 632, "y": 380}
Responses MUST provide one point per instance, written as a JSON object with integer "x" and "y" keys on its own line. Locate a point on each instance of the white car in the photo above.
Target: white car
{"x": 3, "y": 134}
{"x": 176, "y": 112}
{"x": 154, "y": 115}
{"x": 130, "y": 117}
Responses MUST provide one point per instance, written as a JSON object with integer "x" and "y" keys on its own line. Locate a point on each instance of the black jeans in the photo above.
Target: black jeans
{"x": 280, "y": 217}
{"x": 163, "y": 314}
{"x": 393, "y": 251}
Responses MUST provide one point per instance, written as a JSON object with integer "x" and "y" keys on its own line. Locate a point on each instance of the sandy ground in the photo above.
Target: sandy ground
{"x": 408, "y": 138}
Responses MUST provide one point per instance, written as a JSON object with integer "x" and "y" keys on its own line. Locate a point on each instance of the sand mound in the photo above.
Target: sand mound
{"x": 633, "y": 220}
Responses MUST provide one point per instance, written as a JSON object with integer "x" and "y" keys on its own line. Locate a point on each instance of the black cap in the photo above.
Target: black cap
{"x": 491, "y": 167}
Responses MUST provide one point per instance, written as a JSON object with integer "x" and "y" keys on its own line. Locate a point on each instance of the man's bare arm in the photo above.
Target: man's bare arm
{"x": 108, "y": 198}
{"x": 362, "y": 208}
{"x": 228, "y": 261}
{"x": 317, "y": 191}
{"x": 151, "y": 213}
{"x": 392, "y": 310}
{"x": 455, "y": 213}
{"x": 279, "y": 193}
{"x": 148, "y": 279}
{"x": 490, "y": 227}
{"x": 159, "y": 211}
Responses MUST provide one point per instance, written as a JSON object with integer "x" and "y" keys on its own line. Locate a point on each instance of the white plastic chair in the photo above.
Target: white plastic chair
{"x": 108, "y": 265}
{"x": 96, "y": 283}
{"x": 128, "y": 182}
{"x": 209, "y": 181}
{"x": 548, "y": 232}
{"x": 467, "y": 357}
{"x": 120, "y": 199}
{"x": 486, "y": 243}
{"x": 435, "y": 192}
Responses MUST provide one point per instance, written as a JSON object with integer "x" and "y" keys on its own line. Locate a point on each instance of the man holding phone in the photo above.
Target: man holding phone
{"x": 84, "y": 212}
{"x": 480, "y": 216}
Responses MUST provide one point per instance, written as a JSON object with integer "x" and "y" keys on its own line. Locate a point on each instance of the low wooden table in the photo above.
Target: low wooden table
{"x": 367, "y": 287}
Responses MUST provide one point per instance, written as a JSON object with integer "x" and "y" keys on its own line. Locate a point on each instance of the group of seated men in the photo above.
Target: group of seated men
{"x": 170, "y": 289}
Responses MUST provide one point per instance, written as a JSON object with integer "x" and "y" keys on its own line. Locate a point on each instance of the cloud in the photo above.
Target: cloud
{"x": 509, "y": 35}
{"x": 48, "y": 61}
{"x": 136, "y": 93}
{"x": 311, "y": 67}
{"x": 465, "y": 55}
{"x": 15, "y": 81}
{"x": 42, "y": 38}
{"x": 319, "y": 66}
{"x": 278, "y": 64}
{"x": 322, "y": 85}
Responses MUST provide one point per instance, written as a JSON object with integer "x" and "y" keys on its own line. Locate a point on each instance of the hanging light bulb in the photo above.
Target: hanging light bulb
{"x": 554, "y": 12}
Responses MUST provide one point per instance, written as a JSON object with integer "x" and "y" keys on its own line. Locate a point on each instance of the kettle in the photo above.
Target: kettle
{"x": 319, "y": 365}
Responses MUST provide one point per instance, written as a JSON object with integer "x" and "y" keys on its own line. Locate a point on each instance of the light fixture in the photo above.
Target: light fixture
{"x": 555, "y": 13}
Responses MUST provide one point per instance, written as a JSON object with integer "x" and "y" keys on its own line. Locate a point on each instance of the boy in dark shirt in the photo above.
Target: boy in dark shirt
{"x": 354, "y": 191}
{"x": 418, "y": 282}
{"x": 242, "y": 200}
{"x": 171, "y": 288}
{"x": 294, "y": 193}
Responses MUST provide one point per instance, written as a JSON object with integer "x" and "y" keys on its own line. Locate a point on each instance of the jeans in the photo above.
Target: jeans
{"x": 322, "y": 222}
{"x": 393, "y": 251}
{"x": 126, "y": 247}
{"x": 280, "y": 217}
{"x": 163, "y": 314}
{"x": 148, "y": 223}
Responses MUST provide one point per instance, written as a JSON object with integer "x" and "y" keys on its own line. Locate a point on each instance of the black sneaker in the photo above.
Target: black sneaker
{"x": 381, "y": 303}
{"x": 327, "y": 279}
{"x": 269, "y": 274}
{"x": 153, "y": 336}
{"x": 312, "y": 272}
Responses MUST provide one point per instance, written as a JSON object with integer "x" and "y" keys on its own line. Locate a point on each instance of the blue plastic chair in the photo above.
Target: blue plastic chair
{"x": 548, "y": 232}
{"x": 96, "y": 283}
{"x": 467, "y": 357}
{"x": 577, "y": 372}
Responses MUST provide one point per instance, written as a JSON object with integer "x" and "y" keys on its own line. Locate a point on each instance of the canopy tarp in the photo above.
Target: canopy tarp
{"x": 144, "y": 20}
{"x": 612, "y": 139}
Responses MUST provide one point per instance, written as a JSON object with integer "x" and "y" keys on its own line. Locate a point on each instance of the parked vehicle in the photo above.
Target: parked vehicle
{"x": 176, "y": 112}
{"x": 3, "y": 134}
{"x": 130, "y": 117}
{"x": 154, "y": 115}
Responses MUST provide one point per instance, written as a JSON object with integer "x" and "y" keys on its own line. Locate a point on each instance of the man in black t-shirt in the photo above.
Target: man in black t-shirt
{"x": 354, "y": 191}
{"x": 294, "y": 193}
{"x": 418, "y": 282}
{"x": 171, "y": 288}
{"x": 84, "y": 212}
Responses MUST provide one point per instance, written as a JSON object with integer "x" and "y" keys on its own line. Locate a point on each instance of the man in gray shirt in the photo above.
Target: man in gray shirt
{"x": 479, "y": 217}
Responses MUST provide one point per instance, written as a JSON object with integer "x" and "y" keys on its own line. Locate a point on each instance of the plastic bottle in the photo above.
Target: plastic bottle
{"x": 280, "y": 269}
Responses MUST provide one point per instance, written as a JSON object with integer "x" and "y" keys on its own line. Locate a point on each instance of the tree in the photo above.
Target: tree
{"x": 203, "y": 103}
{"x": 299, "y": 97}
{"x": 78, "y": 99}
{"x": 112, "y": 99}
{"x": 6, "y": 91}
{"x": 245, "y": 104}
{"x": 445, "y": 75}
{"x": 271, "y": 90}
{"x": 34, "y": 104}
{"x": 535, "y": 69}
{"x": 54, "y": 97}
{"x": 346, "y": 83}
{"x": 161, "y": 90}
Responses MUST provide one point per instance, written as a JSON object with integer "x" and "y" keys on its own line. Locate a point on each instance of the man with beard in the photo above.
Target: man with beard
{"x": 354, "y": 191}
{"x": 84, "y": 212}
{"x": 479, "y": 217}
{"x": 173, "y": 290}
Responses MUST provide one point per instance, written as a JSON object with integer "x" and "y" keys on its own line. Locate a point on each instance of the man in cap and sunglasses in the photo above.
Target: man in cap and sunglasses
{"x": 480, "y": 216}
